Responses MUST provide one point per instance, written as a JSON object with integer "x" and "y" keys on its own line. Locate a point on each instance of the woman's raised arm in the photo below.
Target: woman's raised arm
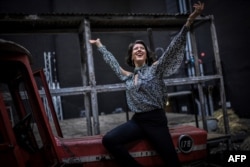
{"x": 110, "y": 59}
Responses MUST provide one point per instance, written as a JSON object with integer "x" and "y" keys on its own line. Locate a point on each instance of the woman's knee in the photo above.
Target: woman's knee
{"x": 107, "y": 140}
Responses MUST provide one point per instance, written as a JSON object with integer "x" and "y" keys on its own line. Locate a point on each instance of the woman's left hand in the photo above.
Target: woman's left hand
{"x": 198, "y": 8}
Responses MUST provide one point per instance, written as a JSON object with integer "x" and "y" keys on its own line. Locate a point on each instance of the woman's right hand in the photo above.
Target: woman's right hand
{"x": 97, "y": 42}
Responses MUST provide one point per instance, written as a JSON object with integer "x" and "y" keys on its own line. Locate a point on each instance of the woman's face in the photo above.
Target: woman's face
{"x": 139, "y": 54}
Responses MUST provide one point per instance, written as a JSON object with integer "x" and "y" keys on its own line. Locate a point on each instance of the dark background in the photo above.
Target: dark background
{"x": 232, "y": 21}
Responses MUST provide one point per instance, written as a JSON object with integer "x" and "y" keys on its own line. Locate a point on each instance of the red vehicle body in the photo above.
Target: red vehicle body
{"x": 30, "y": 141}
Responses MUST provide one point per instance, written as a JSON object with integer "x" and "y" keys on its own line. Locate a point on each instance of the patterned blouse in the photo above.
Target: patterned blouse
{"x": 150, "y": 91}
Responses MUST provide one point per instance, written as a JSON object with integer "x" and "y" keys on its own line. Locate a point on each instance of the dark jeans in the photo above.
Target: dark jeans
{"x": 152, "y": 126}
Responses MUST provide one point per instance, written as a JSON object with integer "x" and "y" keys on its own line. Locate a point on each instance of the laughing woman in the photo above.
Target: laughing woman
{"x": 146, "y": 97}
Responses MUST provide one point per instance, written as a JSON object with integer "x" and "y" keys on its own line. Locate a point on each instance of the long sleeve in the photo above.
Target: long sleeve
{"x": 172, "y": 58}
{"x": 112, "y": 62}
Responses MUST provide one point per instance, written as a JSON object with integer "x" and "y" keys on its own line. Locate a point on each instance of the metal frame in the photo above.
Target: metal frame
{"x": 84, "y": 24}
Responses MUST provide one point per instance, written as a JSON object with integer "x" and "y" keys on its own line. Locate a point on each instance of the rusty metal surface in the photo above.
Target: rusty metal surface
{"x": 90, "y": 149}
{"x": 10, "y": 47}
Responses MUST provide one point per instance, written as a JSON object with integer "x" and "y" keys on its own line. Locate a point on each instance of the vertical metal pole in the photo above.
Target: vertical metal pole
{"x": 92, "y": 81}
{"x": 85, "y": 81}
{"x": 151, "y": 42}
{"x": 199, "y": 85}
{"x": 219, "y": 71}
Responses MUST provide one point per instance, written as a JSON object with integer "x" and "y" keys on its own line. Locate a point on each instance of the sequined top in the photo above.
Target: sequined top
{"x": 150, "y": 91}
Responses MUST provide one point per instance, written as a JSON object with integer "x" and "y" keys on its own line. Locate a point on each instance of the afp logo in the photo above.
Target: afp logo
{"x": 237, "y": 159}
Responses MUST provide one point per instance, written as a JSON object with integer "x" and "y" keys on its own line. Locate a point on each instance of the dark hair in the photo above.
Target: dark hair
{"x": 129, "y": 61}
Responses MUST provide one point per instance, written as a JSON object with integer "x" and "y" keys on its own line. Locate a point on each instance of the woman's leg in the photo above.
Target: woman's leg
{"x": 155, "y": 126}
{"x": 115, "y": 140}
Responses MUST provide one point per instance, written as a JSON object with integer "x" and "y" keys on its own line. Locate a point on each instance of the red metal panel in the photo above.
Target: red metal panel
{"x": 199, "y": 137}
{"x": 15, "y": 64}
{"x": 10, "y": 152}
{"x": 90, "y": 152}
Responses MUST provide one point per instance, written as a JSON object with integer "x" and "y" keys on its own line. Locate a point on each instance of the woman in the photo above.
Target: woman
{"x": 145, "y": 93}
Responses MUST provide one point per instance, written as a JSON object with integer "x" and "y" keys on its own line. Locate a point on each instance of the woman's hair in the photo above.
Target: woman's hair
{"x": 129, "y": 61}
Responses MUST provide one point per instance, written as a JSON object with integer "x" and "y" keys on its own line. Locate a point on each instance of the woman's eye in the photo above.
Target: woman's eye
{"x": 137, "y": 48}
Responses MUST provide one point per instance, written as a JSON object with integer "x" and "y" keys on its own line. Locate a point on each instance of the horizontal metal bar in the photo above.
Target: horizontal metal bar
{"x": 179, "y": 93}
{"x": 121, "y": 87}
{"x": 190, "y": 80}
{"x": 66, "y": 23}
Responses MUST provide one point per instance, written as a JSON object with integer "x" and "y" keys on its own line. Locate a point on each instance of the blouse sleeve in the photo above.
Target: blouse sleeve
{"x": 112, "y": 62}
{"x": 172, "y": 58}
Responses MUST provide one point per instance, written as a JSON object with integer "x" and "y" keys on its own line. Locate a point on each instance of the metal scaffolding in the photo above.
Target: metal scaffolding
{"x": 85, "y": 24}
